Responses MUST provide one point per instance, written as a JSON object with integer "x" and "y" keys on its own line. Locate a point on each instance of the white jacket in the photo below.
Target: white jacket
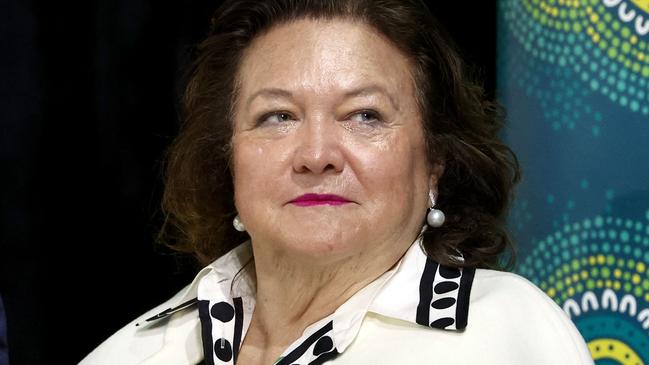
{"x": 474, "y": 317}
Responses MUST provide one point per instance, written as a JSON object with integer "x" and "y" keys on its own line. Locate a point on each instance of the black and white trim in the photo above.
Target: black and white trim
{"x": 444, "y": 296}
{"x": 223, "y": 321}
{"x": 315, "y": 349}
{"x": 206, "y": 330}
{"x": 417, "y": 290}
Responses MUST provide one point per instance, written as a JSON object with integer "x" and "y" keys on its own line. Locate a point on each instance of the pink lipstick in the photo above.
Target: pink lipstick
{"x": 308, "y": 200}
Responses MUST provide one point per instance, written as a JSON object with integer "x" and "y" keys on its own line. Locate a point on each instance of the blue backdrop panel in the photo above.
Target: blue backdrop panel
{"x": 574, "y": 76}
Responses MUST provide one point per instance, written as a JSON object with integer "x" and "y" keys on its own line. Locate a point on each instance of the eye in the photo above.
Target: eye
{"x": 366, "y": 117}
{"x": 274, "y": 118}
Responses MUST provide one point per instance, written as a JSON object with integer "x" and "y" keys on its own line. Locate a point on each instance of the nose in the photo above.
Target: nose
{"x": 319, "y": 148}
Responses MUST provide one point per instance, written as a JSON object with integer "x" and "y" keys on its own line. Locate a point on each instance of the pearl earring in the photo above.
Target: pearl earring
{"x": 435, "y": 217}
{"x": 238, "y": 225}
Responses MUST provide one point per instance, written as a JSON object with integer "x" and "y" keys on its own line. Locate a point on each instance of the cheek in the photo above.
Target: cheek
{"x": 397, "y": 165}
{"x": 258, "y": 166}
{"x": 249, "y": 170}
{"x": 244, "y": 162}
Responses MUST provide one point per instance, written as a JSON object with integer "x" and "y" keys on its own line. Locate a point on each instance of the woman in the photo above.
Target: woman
{"x": 342, "y": 142}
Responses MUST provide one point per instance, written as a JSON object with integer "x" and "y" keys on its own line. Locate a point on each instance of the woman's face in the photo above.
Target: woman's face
{"x": 328, "y": 108}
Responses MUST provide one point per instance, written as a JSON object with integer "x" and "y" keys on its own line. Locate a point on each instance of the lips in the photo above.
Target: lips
{"x": 308, "y": 200}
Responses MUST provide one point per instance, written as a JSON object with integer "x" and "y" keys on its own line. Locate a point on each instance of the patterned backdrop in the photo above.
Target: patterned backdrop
{"x": 574, "y": 76}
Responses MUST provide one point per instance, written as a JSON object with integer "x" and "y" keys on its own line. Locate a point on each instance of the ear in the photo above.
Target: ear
{"x": 436, "y": 173}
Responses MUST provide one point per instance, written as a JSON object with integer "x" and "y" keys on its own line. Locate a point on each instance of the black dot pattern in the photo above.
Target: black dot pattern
{"x": 445, "y": 287}
{"x": 316, "y": 349}
{"x": 445, "y": 291}
{"x": 449, "y": 272}
{"x": 443, "y": 303}
{"x": 221, "y": 328}
{"x": 442, "y": 322}
{"x": 223, "y": 349}
{"x": 222, "y": 311}
{"x": 324, "y": 344}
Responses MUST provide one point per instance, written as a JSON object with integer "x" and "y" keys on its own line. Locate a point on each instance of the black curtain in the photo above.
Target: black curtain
{"x": 89, "y": 100}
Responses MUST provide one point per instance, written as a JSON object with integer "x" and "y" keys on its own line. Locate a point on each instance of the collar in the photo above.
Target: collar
{"x": 416, "y": 290}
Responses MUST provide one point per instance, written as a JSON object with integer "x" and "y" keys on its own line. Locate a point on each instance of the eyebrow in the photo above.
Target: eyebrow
{"x": 361, "y": 91}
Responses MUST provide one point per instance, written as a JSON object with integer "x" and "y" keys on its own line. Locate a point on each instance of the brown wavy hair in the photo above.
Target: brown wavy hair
{"x": 461, "y": 131}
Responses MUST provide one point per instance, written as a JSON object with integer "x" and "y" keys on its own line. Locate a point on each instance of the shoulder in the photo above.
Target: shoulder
{"x": 498, "y": 289}
{"x": 510, "y": 321}
{"x": 510, "y": 300}
{"x": 508, "y": 305}
{"x": 133, "y": 344}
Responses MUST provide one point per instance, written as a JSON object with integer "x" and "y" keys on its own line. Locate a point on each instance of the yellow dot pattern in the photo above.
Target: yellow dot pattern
{"x": 604, "y": 253}
{"x": 626, "y": 276}
{"x": 612, "y": 35}
{"x": 607, "y": 53}
{"x": 609, "y": 348}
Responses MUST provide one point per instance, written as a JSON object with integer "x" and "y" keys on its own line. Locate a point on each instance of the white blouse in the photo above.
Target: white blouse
{"x": 418, "y": 312}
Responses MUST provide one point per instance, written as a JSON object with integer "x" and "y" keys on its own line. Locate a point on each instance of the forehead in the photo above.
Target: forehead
{"x": 323, "y": 56}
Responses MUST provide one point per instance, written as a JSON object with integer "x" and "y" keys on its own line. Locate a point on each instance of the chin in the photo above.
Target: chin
{"x": 322, "y": 246}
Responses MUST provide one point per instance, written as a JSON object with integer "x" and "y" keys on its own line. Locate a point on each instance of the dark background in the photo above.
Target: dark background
{"x": 88, "y": 103}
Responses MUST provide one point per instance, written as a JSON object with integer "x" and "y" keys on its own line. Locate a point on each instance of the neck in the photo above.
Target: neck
{"x": 292, "y": 295}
